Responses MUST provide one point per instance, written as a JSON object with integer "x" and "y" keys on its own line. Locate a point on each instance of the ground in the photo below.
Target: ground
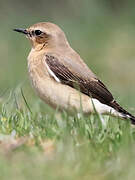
{"x": 37, "y": 142}
{"x": 34, "y": 144}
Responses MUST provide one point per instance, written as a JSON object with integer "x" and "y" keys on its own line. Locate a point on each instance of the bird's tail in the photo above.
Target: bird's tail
{"x": 124, "y": 114}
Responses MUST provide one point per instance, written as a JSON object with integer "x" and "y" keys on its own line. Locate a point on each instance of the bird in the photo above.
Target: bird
{"x": 62, "y": 79}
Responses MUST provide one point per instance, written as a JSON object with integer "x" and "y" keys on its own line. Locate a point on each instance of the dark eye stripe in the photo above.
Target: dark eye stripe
{"x": 33, "y": 33}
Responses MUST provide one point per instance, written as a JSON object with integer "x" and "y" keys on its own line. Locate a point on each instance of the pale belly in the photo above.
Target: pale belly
{"x": 60, "y": 96}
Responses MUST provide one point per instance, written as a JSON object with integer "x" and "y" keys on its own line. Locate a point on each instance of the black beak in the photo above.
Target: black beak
{"x": 24, "y": 31}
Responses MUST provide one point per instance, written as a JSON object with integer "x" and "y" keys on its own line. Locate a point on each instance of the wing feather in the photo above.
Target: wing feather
{"x": 91, "y": 87}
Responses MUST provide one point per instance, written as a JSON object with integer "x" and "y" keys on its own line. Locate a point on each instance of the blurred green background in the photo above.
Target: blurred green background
{"x": 102, "y": 31}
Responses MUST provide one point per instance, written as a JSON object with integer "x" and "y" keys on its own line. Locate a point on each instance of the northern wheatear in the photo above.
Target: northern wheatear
{"x": 62, "y": 79}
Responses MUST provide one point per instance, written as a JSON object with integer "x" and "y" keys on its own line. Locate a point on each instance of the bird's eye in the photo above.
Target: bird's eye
{"x": 38, "y": 32}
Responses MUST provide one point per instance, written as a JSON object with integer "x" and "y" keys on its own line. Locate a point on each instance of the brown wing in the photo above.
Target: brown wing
{"x": 91, "y": 87}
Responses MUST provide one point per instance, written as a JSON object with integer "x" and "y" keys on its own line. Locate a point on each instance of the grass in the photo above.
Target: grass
{"x": 36, "y": 144}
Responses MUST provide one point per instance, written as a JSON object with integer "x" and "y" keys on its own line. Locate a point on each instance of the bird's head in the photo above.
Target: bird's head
{"x": 45, "y": 35}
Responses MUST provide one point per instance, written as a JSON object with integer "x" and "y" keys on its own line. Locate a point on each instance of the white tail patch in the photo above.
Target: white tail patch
{"x": 105, "y": 109}
{"x": 52, "y": 73}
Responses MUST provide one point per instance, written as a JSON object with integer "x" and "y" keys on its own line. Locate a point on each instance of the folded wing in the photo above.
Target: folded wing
{"x": 91, "y": 87}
